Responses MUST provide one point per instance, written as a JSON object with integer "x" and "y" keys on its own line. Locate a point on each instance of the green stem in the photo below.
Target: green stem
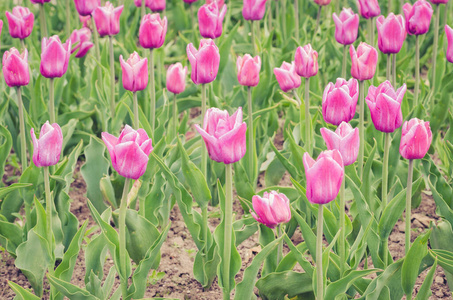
{"x": 252, "y": 28}
{"x": 204, "y": 215}
{"x": 361, "y": 127}
{"x": 389, "y": 67}
{"x": 280, "y": 245}
{"x": 296, "y": 13}
{"x": 204, "y": 151}
{"x": 23, "y": 141}
{"x": 98, "y": 54}
{"x": 143, "y": 8}
{"x": 385, "y": 165}
{"x": 372, "y": 31}
{"x": 228, "y": 228}
{"x": 277, "y": 15}
{"x": 309, "y": 146}
{"x": 319, "y": 276}
{"x": 22, "y": 44}
{"x": 250, "y": 144}
{"x": 136, "y": 115}
{"x": 122, "y": 234}
{"x": 53, "y": 118}
{"x": 283, "y": 23}
{"x": 394, "y": 71}
{"x": 318, "y": 17}
{"x": 445, "y": 15}
{"x": 49, "y": 209}
{"x": 409, "y": 205}
{"x": 68, "y": 18}
{"x": 435, "y": 45}
{"x": 417, "y": 68}
{"x": 269, "y": 17}
{"x": 192, "y": 22}
{"x": 342, "y": 228}
{"x": 343, "y": 66}
{"x": 152, "y": 89}
{"x": 175, "y": 116}
{"x": 389, "y": 6}
{"x": 42, "y": 15}
{"x": 112, "y": 78}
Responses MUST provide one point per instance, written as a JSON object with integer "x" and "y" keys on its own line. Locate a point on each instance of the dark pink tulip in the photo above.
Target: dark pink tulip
{"x": 204, "y": 61}
{"x": 189, "y": 1}
{"x": 391, "y": 33}
{"x": 254, "y": 9}
{"x": 385, "y": 106}
{"x": 439, "y": 1}
{"x": 54, "y": 57}
{"x": 416, "y": 138}
{"x": 364, "y": 61}
{"x": 306, "y": 61}
{"x": 339, "y": 101}
{"x": 324, "y": 176}
{"x": 346, "y": 26}
{"x": 210, "y": 20}
{"x": 220, "y": 3}
{"x": 129, "y": 152}
{"x": 156, "y": 5}
{"x": 271, "y": 209}
{"x": 176, "y": 78}
{"x": 345, "y": 139}
{"x": 39, "y": 1}
{"x": 85, "y": 20}
{"x": 449, "y": 33}
{"x": 322, "y": 2}
{"x": 135, "y": 72}
{"x": 82, "y": 40}
{"x": 47, "y": 149}
{"x": 86, "y": 7}
{"x": 152, "y": 31}
{"x": 15, "y": 68}
{"x": 287, "y": 77}
{"x": 20, "y": 22}
{"x": 224, "y": 135}
{"x": 369, "y": 8}
{"x": 107, "y": 19}
{"x": 248, "y": 70}
{"x": 418, "y": 17}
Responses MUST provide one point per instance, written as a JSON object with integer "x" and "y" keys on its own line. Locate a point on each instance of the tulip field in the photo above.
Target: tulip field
{"x": 255, "y": 149}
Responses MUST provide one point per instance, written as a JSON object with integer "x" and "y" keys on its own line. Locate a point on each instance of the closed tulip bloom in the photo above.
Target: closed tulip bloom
{"x": 135, "y": 72}
{"x": 364, "y": 61}
{"x": 54, "y": 57}
{"x": 369, "y": 8}
{"x": 152, "y": 31}
{"x": 418, "y": 17}
{"x": 189, "y": 1}
{"x": 210, "y": 20}
{"x": 176, "y": 78}
{"x": 385, "y": 106}
{"x": 416, "y": 138}
{"x": 322, "y": 2}
{"x": 15, "y": 68}
{"x": 439, "y": 1}
{"x": 204, "y": 61}
{"x": 271, "y": 209}
{"x": 248, "y": 70}
{"x": 449, "y": 33}
{"x": 47, "y": 149}
{"x": 107, "y": 19}
{"x": 156, "y": 5}
{"x": 39, "y": 1}
{"x": 224, "y": 135}
{"x": 391, "y": 33}
{"x": 324, "y": 176}
{"x": 339, "y": 101}
{"x": 306, "y": 61}
{"x": 129, "y": 152}
{"x": 82, "y": 40}
{"x": 287, "y": 77}
{"x": 254, "y": 9}
{"x": 346, "y": 26}
{"x": 20, "y": 22}
{"x": 345, "y": 139}
{"x": 86, "y": 7}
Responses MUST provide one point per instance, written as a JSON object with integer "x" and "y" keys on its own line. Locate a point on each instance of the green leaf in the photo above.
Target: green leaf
{"x": 5, "y": 148}
{"x": 342, "y": 285}
{"x": 380, "y": 286}
{"x": 292, "y": 284}
{"x": 288, "y": 165}
{"x": 21, "y": 293}
{"x": 13, "y": 187}
{"x": 425, "y": 290}
{"x": 412, "y": 262}
{"x": 95, "y": 254}
{"x": 304, "y": 263}
{"x": 307, "y": 233}
{"x": 71, "y": 291}
{"x": 11, "y": 236}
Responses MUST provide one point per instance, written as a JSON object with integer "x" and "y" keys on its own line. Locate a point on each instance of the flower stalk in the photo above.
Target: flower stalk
{"x": 417, "y": 69}
{"x": 23, "y": 142}
{"x": 361, "y": 127}
{"x": 384, "y": 186}
{"x": 136, "y": 115}
{"x": 42, "y": 15}
{"x": 319, "y": 276}
{"x": 112, "y": 78}
{"x": 250, "y": 141}
{"x": 409, "y": 205}
{"x": 152, "y": 89}
{"x": 296, "y": 12}
{"x": 342, "y": 228}
{"x": 52, "y": 101}
{"x": 122, "y": 238}
{"x": 175, "y": 116}
{"x": 435, "y": 46}
{"x": 228, "y": 228}
{"x": 343, "y": 65}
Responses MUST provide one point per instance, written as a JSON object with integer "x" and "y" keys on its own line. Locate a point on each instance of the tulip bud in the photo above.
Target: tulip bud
{"x": 210, "y": 20}
{"x": 190, "y": 1}
{"x": 20, "y": 22}
{"x": 439, "y": 1}
{"x": 15, "y": 68}
{"x": 364, "y": 61}
{"x": 369, "y": 8}
{"x": 204, "y": 61}
{"x": 254, "y": 9}
{"x": 345, "y": 139}
{"x": 54, "y": 57}
{"x": 346, "y": 26}
{"x": 385, "y": 106}
{"x": 449, "y": 33}
{"x": 129, "y": 152}
{"x": 39, "y": 1}
{"x": 248, "y": 70}
{"x": 271, "y": 209}
{"x": 324, "y": 176}
{"x": 287, "y": 77}
{"x": 418, "y": 17}
{"x": 339, "y": 101}
{"x": 157, "y": 5}
{"x": 81, "y": 38}
{"x": 176, "y": 78}
{"x": 152, "y": 31}
{"x": 322, "y": 2}
{"x": 416, "y": 138}
{"x": 107, "y": 19}
{"x": 306, "y": 61}
{"x": 391, "y": 33}
{"x": 86, "y": 7}
{"x": 47, "y": 149}
{"x": 135, "y": 72}
{"x": 223, "y": 135}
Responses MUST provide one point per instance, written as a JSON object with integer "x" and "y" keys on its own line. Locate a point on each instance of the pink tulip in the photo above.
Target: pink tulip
{"x": 416, "y": 138}
{"x": 306, "y": 61}
{"x": 152, "y": 31}
{"x": 322, "y": 2}
{"x": 391, "y": 33}
{"x": 224, "y": 135}
{"x": 210, "y": 20}
{"x": 385, "y": 106}
{"x": 254, "y": 9}
{"x": 339, "y": 101}
{"x": 271, "y": 209}
{"x": 346, "y": 26}
{"x": 20, "y": 22}
{"x": 135, "y": 72}
{"x": 47, "y": 149}
{"x": 54, "y": 57}
{"x": 248, "y": 70}
{"x": 15, "y": 68}
{"x": 129, "y": 152}
{"x": 345, "y": 139}
{"x": 189, "y": 1}
{"x": 287, "y": 77}
{"x": 85, "y": 20}
{"x": 439, "y": 1}
{"x": 86, "y": 7}
{"x": 176, "y": 78}
{"x": 156, "y": 5}
{"x": 364, "y": 61}
{"x": 324, "y": 176}
{"x": 369, "y": 8}
{"x": 39, "y": 1}
{"x": 449, "y": 33}
{"x": 220, "y": 3}
{"x": 418, "y": 17}
{"x": 107, "y": 19}
{"x": 204, "y": 61}
{"x": 82, "y": 40}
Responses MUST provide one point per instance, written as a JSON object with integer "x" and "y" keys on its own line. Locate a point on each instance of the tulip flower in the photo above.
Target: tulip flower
{"x": 287, "y": 77}
{"x": 416, "y": 138}
{"x": 254, "y": 9}
{"x": 176, "y": 78}
{"x": 391, "y": 33}
{"x": 418, "y": 17}
{"x": 39, "y": 1}
{"x": 439, "y": 1}
{"x": 364, "y": 61}
{"x": 86, "y": 7}
{"x": 135, "y": 72}
{"x": 204, "y": 61}
{"x": 344, "y": 139}
{"x": 81, "y": 38}
{"x": 47, "y": 149}
{"x": 15, "y": 68}
{"x": 369, "y": 8}
{"x": 322, "y": 2}
{"x": 346, "y": 26}
{"x": 248, "y": 68}
{"x": 339, "y": 101}
{"x": 54, "y": 57}
{"x": 220, "y": 3}
{"x": 272, "y": 209}
{"x": 306, "y": 61}
{"x": 20, "y": 22}
{"x": 449, "y": 34}
{"x": 157, "y": 5}
{"x": 107, "y": 19}
{"x": 152, "y": 31}
{"x": 210, "y": 20}
{"x": 190, "y": 1}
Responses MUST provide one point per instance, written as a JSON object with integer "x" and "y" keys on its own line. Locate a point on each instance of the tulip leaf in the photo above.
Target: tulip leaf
{"x": 288, "y": 165}
{"x": 289, "y": 283}
{"x": 244, "y": 187}
{"x": 71, "y": 291}
{"x": 13, "y": 187}
{"x": 298, "y": 256}
{"x": 21, "y": 293}
{"x": 5, "y": 148}
{"x": 11, "y": 236}
{"x": 307, "y": 233}
{"x": 244, "y": 228}
{"x": 95, "y": 254}
{"x": 342, "y": 285}
{"x": 425, "y": 290}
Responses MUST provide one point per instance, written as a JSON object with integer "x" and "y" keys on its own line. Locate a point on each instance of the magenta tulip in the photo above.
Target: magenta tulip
{"x": 391, "y": 33}
{"x": 107, "y": 19}
{"x": 86, "y": 7}
{"x": 224, "y": 135}
{"x": 248, "y": 70}
{"x": 220, "y": 3}
{"x": 385, "y": 106}
{"x": 54, "y": 57}
{"x": 81, "y": 38}
{"x": 439, "y": 1}
{"x": 129, "y": 152}
{"x": 210, "y": 20}
{"x": 287, "y": 77}
{"x": 324, "y": 176}
{"x": 189, "y": 1}
{"x": 15, "y": 67}
{"x": 322, "y": 2}
{"x": 152, "y": 31}
{"x": 364, "y": 61}
{"x": 449, "y": 33}
{"x": 339, "y": 101}
{"x": 418, "y": 17}
{"x": 135, "y": 72}
{"x": 47, "y": 149}
{"x": 346, "y": 26}
{"x": 345, "y": 139}
{"x": 20, "y": 22}
{"x": 272, "y": 209}
{"x": 369, "y": 8}
{"x": 176, "y": 78}
{"x": 306, "y": 61}
{"x": 416, "y": 138}
{"x": 204, "y": 61}
{"x": 39, "y": 1}
{"x": 156, "y": 5}
{"x": 253, "y": 9}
